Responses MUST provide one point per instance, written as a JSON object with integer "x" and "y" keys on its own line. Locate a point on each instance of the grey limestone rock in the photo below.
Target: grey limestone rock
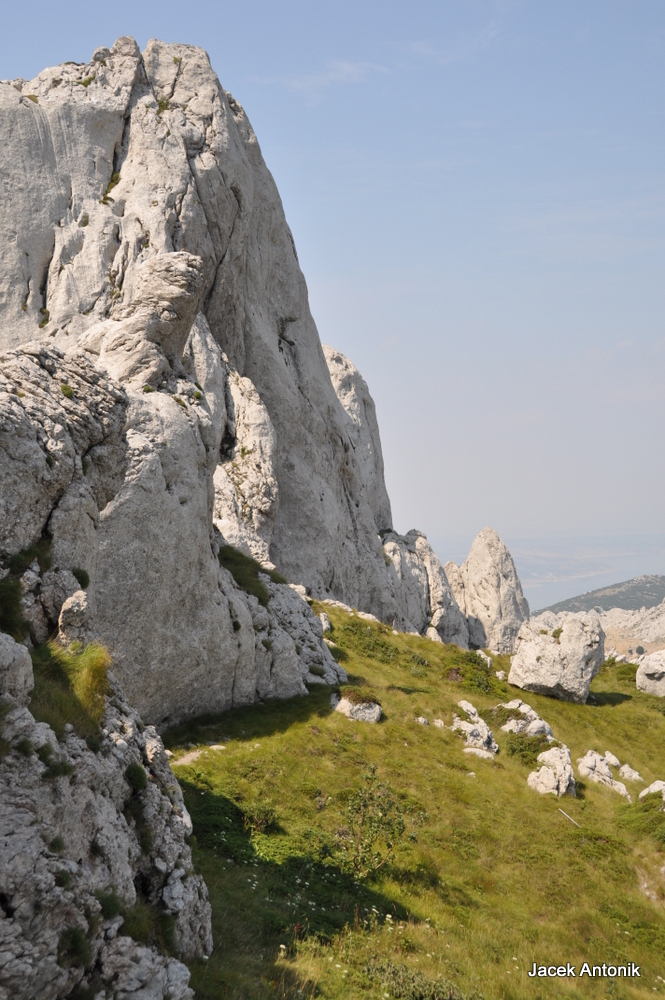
{"x": 477, "y": 734}
{"x": 525, "y": 721}
{"x": 488, "y": 591}
{"x": 366, "y": 711}
{"x": 596, "y": 768}
{"x": 555, "y": 774}
{"x": 650, "y": 676}
{"x": 558, "y": 655}
{"x": 66, "y": 838}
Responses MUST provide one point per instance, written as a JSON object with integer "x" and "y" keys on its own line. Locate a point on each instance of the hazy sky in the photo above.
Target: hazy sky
{"x": 476, "y": 191}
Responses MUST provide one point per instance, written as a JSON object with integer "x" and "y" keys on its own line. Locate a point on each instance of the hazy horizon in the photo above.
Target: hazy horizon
{"x": 476, "y": 195}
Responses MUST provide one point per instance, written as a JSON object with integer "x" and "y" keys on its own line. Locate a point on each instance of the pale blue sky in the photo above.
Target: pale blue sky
{"x": 476, "y": 191}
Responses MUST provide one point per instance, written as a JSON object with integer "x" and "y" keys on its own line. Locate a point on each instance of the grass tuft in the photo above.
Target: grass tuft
{"x": 70, "y": 687}
{"x": 245, "y": 571}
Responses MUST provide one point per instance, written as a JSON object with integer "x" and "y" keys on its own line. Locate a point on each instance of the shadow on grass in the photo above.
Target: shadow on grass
{"x": 602, "y": 698}
{"x": 409, "y": 690}
{"x": 251, "y": 722}
{"x": 265, "y": 896}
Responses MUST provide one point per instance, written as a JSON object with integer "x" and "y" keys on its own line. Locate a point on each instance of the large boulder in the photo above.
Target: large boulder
{"x": 488, "y": 591}
{"x": 555, "y": 775}
{"x": 596, "y": 767}
{"x": 650, "y": 676}
{"x": 558, "y": 655}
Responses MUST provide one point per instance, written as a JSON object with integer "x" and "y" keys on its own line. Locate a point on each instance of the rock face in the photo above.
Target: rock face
{"x": 558, "y": 655}
{"x": 488, "y": 591}
{"x": 650, "y": 676}
{"x": 149, "y": 204}
{"x": 626, "y": 630}
{"x": 66, "y": 835}
{"x": 555, "y": 774}
{"x": 423, "y": 596}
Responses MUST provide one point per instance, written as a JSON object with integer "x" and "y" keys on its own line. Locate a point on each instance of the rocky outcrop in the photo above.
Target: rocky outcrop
{"x": 628, "y": 629}
{"x": 487, "y": 589}
{"x": 650, "y": 676}
{"x": 525, "y": 720}
{"x": 595, "y": 767}
{"x": 422, "y": 592}
{"x": 363, "y": 432}
{"x": 558, "y": 655}
{"x": 149, "y": 203}
{"x": 478, "y": 736}
{"x": 68, "y": 840}
{"x": 555, "y": 774}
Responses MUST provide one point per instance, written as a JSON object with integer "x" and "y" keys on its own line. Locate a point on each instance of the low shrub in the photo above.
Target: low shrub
{"x": 407, "y": 984}
{"x": 82, "y": 577}
{"x": 73, "y": 949}
{"x": 526, "y": 748}
{"x": 110, "y": 904}
{"x": 136, "y": 777}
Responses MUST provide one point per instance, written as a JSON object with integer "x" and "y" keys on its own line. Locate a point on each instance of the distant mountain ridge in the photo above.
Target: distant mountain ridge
{"x": 640, "y": 592}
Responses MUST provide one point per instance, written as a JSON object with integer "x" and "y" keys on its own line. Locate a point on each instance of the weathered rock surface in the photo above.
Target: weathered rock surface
{"x": 65, "y": 838}
{"x": 596, "y": 768}
{"x": 626, "y": 630}
{"x": 629, "y": 773}
{"x": 363, "y": 432}
{"x": 558, "y": 655}
{"x": 488, "y": 591}
{"x": 477, "y": 734}
{"x": 525, "y": 720}
{"x": 555, "y": 774}
{"x": 423, "y": 595}
{"x": 650, "y": 676}
{"x": 365, "y": 711}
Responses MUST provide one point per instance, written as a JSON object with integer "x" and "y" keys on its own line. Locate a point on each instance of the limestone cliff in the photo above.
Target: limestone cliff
{"x": 80, "y": 830}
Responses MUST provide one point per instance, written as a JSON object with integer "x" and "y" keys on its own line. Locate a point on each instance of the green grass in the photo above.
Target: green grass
{"x": 70, "y": 687}
{"x": 486, "y": 868}
{"x": 245, "y": 571}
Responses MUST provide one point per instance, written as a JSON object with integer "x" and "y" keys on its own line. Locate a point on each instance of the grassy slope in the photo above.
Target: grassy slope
{"x": 490, "y": 876}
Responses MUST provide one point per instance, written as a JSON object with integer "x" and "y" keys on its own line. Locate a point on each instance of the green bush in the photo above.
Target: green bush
{"x": 136, "y": 777}
{"x": 41, "y": 551}
{"x": 110, "y": 904}
{"x": 148, "y": 925}
{"x": 259, "y": 816}
{"x": 245, "y": 571}
{"x": 73, "y": 949}
{"x": 406, "y": 984}
{"x": 375, "y": 825}
{"x": 11, "y": 615}
{"x": 526, "y": 748}
{"x": 83, "y": 578}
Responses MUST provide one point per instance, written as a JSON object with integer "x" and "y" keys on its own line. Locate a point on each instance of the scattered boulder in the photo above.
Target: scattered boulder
{"x": 500, "y": 674}
{"x": 628, "y": 773}
{"x": 611, "y": 759}
{"x": 354, "y": 707}
{"x": 555, "y": 774}
{"x": 528, "y": 721}
{"x": 421, "y": 720}
{"x": 439, "y": 723}
{"x": 325, "y": 621}
{"x": 488, "y": 591}
{"x": 653, "y": 789}
{"x": 596, "y": 768}
{"x": 558, "y": 655}
{"x": 477, "y": 734}
{"x": 650, "y": 676}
